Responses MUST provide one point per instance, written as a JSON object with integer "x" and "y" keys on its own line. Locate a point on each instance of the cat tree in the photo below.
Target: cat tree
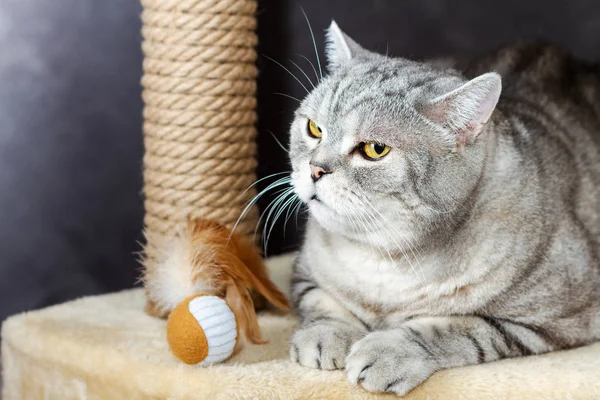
{"x": 199, "y": 91}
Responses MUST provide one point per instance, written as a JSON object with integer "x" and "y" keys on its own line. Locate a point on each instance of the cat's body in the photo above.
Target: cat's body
{"x": 472, "y": 240}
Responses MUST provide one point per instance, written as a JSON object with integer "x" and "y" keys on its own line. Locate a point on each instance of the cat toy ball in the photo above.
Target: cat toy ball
{"x": 217, "y": 274}
{"x": 202, "y": 330}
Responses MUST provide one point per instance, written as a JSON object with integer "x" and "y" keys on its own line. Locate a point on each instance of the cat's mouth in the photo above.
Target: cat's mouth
{"x": 316, "y": 198}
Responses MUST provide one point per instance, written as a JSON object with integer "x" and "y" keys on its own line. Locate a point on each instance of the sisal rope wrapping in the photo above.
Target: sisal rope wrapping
{"x": 200, "y": 112}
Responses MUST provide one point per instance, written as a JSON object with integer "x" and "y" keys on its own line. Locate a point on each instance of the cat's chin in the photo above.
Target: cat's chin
{"x": 318, "y": 207}
{"x": 326, "y": 216}
{"x": 321, "y": 212}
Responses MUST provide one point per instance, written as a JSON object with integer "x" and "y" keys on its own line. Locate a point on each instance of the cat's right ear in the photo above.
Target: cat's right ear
{"x": 340, "y": 48}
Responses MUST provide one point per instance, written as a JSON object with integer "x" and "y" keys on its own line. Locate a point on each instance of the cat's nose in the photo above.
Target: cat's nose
{"x": 317, "y": 171}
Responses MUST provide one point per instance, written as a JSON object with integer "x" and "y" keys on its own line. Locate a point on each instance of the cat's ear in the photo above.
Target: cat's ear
{"x": 340, "y": 48}
{"x": 466, "y": 110}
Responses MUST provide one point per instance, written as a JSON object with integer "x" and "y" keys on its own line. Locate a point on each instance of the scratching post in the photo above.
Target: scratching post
{"x": 200, "y": 111}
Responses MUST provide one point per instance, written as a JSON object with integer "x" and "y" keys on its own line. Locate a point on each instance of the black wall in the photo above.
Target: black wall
{"x": 70, "y": 115}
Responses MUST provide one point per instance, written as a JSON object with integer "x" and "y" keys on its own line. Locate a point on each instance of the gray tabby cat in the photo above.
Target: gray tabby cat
{"x": 449, "y": 225}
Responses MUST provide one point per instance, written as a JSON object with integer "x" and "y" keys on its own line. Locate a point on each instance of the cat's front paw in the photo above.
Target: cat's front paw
{"x": 323, "y": 345}
{"x": 389, "y": 361}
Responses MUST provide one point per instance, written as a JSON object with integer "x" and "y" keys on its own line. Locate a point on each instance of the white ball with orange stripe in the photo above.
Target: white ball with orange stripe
{"x": 202, "y": 330}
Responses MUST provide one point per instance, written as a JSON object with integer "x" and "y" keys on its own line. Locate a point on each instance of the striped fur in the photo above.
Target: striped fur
{"x": 473, "y": 240}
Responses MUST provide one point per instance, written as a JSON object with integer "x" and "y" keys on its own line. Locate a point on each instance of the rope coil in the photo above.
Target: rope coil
{"x": 200, "y": 112}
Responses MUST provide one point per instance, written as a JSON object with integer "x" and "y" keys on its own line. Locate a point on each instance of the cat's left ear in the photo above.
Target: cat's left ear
{"x": 466, "y": 110}
{"x": 340, "y": 48}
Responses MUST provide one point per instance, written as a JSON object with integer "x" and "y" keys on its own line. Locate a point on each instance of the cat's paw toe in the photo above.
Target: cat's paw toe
{"x": 387, "y": 363}
{"x": 322, "y": 346}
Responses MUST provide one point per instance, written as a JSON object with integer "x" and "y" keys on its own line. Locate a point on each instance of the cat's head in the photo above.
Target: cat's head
{"x": 384, "y": 143}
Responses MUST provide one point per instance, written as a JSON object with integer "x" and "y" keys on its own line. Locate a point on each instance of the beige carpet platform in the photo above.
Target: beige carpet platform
{"x": 106, "y": 347}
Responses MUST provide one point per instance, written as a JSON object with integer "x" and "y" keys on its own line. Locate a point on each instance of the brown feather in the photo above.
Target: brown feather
{"x": 226, "y": 263}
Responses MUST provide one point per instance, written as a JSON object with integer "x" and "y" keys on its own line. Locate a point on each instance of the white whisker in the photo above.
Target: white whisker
{"x": 288, "y": 96}
{"x": 283, "y": 206}
{"x": 375, "y": 232}
{"x": 406, "y": 242}
{"x": 312, "y": 65}
{"x": 253, "y": 200}
{"x": 314, "y": 42}
{"x": 278, "y": 142}
{"x": 288, "y": 71}
{"x": 273, "y": 206}
{"x": 290, "y": 212}
{"x": 303, "y": 73}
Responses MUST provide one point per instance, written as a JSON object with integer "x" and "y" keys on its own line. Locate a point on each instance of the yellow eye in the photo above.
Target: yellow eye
{"x": 314, "y": 130}
{"x": 374, "y": 151}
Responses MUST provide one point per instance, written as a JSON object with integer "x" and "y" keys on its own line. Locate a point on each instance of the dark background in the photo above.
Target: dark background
{"x": 70, "y": 115}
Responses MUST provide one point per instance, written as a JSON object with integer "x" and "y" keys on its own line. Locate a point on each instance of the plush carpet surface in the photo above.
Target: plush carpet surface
{"x": 106, "y": 347}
